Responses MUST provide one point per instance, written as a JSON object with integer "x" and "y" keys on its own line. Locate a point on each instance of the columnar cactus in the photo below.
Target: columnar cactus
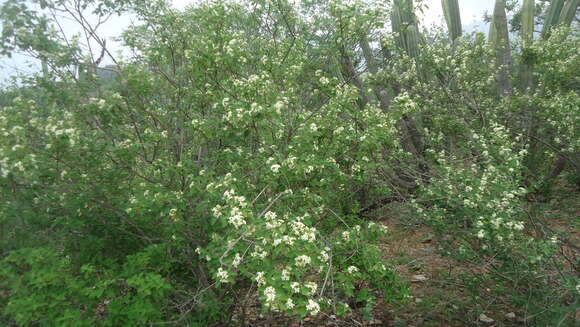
{"x": 452, "y": 18}
{"x": 552, "y": 16}
{"x": 499, "y": 38}
{"x": 404, "y": 23}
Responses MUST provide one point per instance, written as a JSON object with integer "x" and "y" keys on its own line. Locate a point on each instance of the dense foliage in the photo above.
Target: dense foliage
{"x": 240, "y": 151}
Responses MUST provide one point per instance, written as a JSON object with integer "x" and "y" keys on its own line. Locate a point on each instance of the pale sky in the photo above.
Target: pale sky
{"x": 472, "y": 12}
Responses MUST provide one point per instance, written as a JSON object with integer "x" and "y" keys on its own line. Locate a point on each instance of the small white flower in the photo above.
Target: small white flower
{"x": 302, "y": 260}
{"x": 312, "y": 286}
{"x": 222, "y": 275}
{"x": 290, "y": 303}
{"x": 260, "y": 280}
{"x": 275, "y": 168}
{"x": 259, "y": 252}
{"x": 285, "y": 275}
{"x": 217, "y": 211}
{"x": 352, "y": 269}
{"x": 346, "y": 236}
{"x": 236, "y": 219}
{"x": 313, "y": 127}
{"x": 309, "y": 235}
{"x": 270, "y": 215}
{"x": 229, "y": 194}
{"x": 237, "y": 260}
{"x": 295, "y": 287}
{"x": 270, "y": 294}
{"x": 288, "y": 239}
{"x": 313, "y": 307}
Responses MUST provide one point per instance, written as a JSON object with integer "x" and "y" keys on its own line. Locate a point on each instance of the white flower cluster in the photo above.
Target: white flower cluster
{"x": 259, "y": 252}
{"x": 324, "y": 256}
{"x": 285, "y": 275}
{"x": 311, "y": 286}
{"x": 302, "y": 260}
{"x": 260, "y": 279}
{"x": 295, "y": 286}
{"x": 270, "y": 294}
{"x": 222, "y": 275}
{"x": 303, "y": 232}
{"x": 273, "y": 222}
{"x": 236, "y": 217}
{"x": 275, "y": 168}
{"x": 237, "y": 260}
{"x": 313, "y": 307}
{"x": 352, "y": 269}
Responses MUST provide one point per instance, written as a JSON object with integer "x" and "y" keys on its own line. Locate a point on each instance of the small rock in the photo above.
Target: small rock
{"x": 485, "y": 319}
{"x": 510, "y": 315}
{"x": 376, "y": 322}
{"x": 418, "y": 300}
{"x": 419, "y": 278}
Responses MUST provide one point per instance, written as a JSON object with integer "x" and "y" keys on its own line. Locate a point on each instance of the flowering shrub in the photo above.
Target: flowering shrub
{"x": 292, "y": 263}
{"x": 479, "y": 194}
{"x": 476, "y": 198}
{"x": 249, "y": 174}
